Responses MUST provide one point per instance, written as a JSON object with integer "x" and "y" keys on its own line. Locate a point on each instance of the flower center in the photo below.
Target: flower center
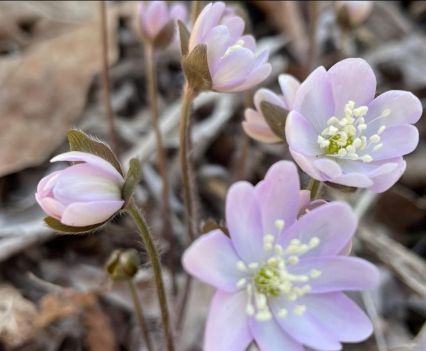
{"x": 344, "y": 137}
{"x": 271, "y": 277}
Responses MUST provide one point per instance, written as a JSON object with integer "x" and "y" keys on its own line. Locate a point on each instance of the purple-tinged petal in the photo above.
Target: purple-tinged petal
{"x": 356, "y": 180}
{"x": 301, "y": 135}
{"x": 314, "y": 99}
{"x": 46, "y": 185}
{"x": 351, "y": 79}
{"x": 306, "y": 164}
{"x": 269, "y": 336}
{"x": 333, "y": 224}
{"x": 397, "y": 141}
{"x": 155, "y": 18}
{"x": 227, "y": 324}
{"x": 244, "y": 221}
{"x": 80, "y": 214}
{"x": 235, "y": 25}
{"x": 304, "y": 329}
{"x": 337, "y": 273}
{"x": 384, "y": 181}
{"x": 396, "y": 106}
{"x": 213, "y": 260}
{"x": 256, "y": 127}
{"x": 50, "y": 206}
{"x": 266, "y": 95}
{"x": 255, "y": 77}
{"x": 77, "y": 156}
{"x": 178, "y": 12}
{"x": 84, "y": 183}
{"x": 206, "y": 20}
{"x": 289, "y": 87}
{"x": 339, "y": 315}
{"x": 329, "y": 168}
{"x": 217, "y": 41}
{"x": 278, "y": 196}
{"x": 249, "y": 42}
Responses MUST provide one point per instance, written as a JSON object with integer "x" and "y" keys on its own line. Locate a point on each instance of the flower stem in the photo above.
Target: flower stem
{"x": 195, "y": 10}
{"x": 161, "y": 159}
{"x": 140, "y": 314}
{"x": 155, "y": 262}
{"x": 188, "y": 96}
{"x": 105, "y": 76}
{"x": 314, "y": 187}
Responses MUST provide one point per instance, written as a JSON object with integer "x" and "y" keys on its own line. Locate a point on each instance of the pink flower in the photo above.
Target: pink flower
{"x": 279, "y": 277}
{"x": 255, "y": 124}
{"x": 84, "y": 194}
{"x": 233, "y": 62}
{"x": 339, "y": 132}
{"x": 155, "y": 16}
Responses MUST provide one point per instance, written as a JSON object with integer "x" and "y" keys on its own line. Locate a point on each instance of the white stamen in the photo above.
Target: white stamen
{"x": 241, "y": 266}
{"x": 279, "y": 224}
{"x": 282, "y": 313}
{"x": 241, "y": 283}
{"x": 299, "y": 310}
{"x": 315, "y": 273}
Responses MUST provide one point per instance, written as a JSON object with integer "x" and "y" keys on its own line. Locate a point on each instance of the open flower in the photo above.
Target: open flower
{"x": 157, "y": 20}
{"x": 84, "y": 194}
{"x": 280, "y": 278}
{"x": 339, "y": 133}
{"x": 233, "y": 63}
{"x": 258, "y": 122}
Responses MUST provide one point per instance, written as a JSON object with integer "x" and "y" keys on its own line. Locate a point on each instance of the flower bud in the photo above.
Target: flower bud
{"x": 218, "y": 57}
{"x": 122, "y": 264}
{"x": 157, "y": 21}
{"x": 351, "y": 14}
{"x": 84, "y": 194}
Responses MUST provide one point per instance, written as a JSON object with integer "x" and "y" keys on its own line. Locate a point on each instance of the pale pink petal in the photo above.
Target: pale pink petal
{"x": 289, "y": 87}
{"x": 256, "y": 127}
{"x": 333, "y": 235}
{"x": 269, "y": 336}
{"x": 393, "y": 108}
{"x": 235, "y": 25}
{"x": 329, "y": 168}
{"x": 50, "y": 206}
{"x": 244, "y": 221}
{"x": 227, "y": 324}
{"x": 268, "y": 96}
{"x": 304, "y": 329}
{"x": 306, "y": 163}
{"x": 80, "y": 214}
{"x": 155, "y": 18}
{"x": 301, "y": 136}
{"x": 314, "y": 99}
{"x": 278, "y": 196}
{"x": 212, "y": 259}
{"x": 337, "y": 273}
{"x": 77, "y": 156}
{"x": 356, "y": 180}
{"x": 384, "y": 181}
{"x": 255, "y": 77}
{"x": 351, "y": 79}
{"x": 46, "y": 184}
{"x": 178, "y": 12}
{"x": 339, "y": 315}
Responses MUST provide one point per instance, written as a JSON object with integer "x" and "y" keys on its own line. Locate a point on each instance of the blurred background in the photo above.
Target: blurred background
{"x": 54, "y": 293}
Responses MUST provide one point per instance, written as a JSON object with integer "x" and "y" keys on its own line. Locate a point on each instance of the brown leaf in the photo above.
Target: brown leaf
{"x": 42, "y": 94}
{"x": 196, "y": 68}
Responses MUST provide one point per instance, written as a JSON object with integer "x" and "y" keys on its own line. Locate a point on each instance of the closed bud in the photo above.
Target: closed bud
{"x": 351, "y": 14}
{"x": 122, "y": 264}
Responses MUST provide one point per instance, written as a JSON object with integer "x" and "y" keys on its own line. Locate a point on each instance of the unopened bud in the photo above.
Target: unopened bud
{"x": 123, "y": 264}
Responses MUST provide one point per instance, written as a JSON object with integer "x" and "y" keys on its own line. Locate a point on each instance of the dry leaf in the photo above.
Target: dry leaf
{"x": 42, "y": 94}
{"x": 16, "y": 317}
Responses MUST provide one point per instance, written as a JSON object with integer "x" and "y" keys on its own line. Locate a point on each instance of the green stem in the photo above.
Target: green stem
{"x": 156, "y": 266}
{"x": 140, "y": 315}
{"x": 196, "y": 7}
{"x": 188, "y": 96}
{"x": 161, "y": 159}
{"x": 314, "y": 187}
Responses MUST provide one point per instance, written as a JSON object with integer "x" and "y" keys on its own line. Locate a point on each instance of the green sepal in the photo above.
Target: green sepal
{"x": 184, "y": 35}
{"x": 80, "y": 141}
{"x": 196, "y": 69}
{"x": 132, "y": 179}
{"x": 340, "y": 187}
{"x": 275, "y": 116}
{"x": 122, "y": 265}
{"x": 57, "y": 226}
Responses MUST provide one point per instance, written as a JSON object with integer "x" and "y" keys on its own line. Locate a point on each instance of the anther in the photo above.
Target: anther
{"x": 299, "y": 310}
{"x": 241, "y": 266}
{"x": 279, "y": 224}
{"x": 282, "y": 313}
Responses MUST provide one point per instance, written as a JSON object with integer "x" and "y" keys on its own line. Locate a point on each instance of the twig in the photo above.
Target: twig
{"x": 105, "y": 76}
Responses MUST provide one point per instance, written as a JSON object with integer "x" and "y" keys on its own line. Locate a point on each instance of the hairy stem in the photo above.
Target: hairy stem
{"x": 105, "y": 76}
{"x": 188, "y": 96}
{"x": 156, "y": 266}
{"x": 314, "y": 187}
{"x": 140, "y": 315}
{"x": 161, "y": 160}
{"x": 196, "y": 7}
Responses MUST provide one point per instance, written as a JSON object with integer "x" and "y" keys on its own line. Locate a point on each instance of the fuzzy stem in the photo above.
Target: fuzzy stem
{"x": 146, "y": 236}
{"x": 161, "y": 159}
{"x": 196, "y": 7}
{"x": 105, "y": 76}
{"x": 140, "y": 315}
{"x": 314, "y": 187}
{"x": 188, "y": 96}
